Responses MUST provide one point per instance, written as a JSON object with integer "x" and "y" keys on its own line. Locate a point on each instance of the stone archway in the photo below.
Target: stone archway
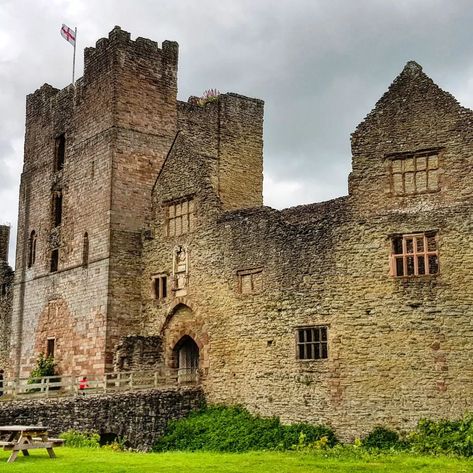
{"x": 185, "y": 341}
{"x": 186, "y": 354}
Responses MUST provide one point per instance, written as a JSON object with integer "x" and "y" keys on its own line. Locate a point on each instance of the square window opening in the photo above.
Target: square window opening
{"x": 414, "y": 255}
{"x": 312, "y": 343}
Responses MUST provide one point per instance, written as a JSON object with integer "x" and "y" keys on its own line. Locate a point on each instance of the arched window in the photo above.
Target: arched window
{"x": 85, "y": 250}
{"x": 32, "y": 249}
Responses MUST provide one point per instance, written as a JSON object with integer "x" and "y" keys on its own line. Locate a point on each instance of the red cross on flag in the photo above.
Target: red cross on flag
{"x": 68, "y": 34}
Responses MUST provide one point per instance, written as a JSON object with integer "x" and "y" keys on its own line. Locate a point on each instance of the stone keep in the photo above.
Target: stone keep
{"x": 153, "y": 250}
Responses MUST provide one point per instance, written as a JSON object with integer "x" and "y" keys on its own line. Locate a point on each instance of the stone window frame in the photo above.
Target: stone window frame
{"x": 57, "y": 207}
{"x": 59, "y": 152}
{"x": 422, "y": 162}
{"x": 249, "y": 272}
{"x": 50, "y": 346}
{"x": 54, "y": 260}
{"x": 32, "y": 241}
{"x": 314, "y": 345}
{"x": 414, "y": 255}
{"x": 174, "y": 213}
{"x": 160, "y": 292}
{"x": 85, "y": 250}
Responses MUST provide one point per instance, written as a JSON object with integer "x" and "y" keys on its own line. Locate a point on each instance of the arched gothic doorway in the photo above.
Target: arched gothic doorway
{"x": 186, "y": 355}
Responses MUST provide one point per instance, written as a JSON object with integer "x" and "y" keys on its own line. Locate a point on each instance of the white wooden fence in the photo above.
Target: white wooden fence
{"x": 66, "y": 385}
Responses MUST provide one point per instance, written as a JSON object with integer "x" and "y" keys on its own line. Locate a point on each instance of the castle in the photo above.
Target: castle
{"x": 143, "y": 243}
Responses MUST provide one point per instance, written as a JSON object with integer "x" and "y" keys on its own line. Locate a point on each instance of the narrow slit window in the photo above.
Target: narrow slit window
{"x": 54, "y": 260}
{"x": 57, "y": 208}
{"x": 60, "y": 152}
{"x": 32, "y": 249}
{"x": 50, "y": 348}
{"x": 85, "y": 250}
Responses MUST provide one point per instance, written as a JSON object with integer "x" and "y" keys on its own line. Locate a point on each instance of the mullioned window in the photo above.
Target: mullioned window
{"x": 415, "y": 174}
{"x": 180, "y": 217}
{"x": 414, "y": 255}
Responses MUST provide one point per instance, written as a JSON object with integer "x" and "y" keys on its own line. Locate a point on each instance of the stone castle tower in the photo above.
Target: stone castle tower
{"x": 92, "y": 155}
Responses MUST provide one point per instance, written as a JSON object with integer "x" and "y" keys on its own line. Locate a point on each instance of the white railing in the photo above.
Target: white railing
{"x": 66, "y": 385}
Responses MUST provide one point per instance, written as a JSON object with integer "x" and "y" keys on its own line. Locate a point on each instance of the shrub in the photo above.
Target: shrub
{"x": 234, "y": 429}
{"x": 381, "y": 438}
{"x": 443, "y": 436}
{"x": 74, "y": 438}
{"x": 45, "y": 366}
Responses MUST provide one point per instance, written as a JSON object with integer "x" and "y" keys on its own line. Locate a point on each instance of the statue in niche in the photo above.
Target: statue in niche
{"x": 180, "y": 270}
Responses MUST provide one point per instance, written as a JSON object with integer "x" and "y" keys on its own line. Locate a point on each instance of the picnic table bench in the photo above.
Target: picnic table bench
{"x": 21, "y": 438}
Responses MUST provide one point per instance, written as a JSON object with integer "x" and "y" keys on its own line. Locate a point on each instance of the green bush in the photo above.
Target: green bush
{"x": 74, "y": 438}
{"x": 234, "y": 429}
{"x": 381, "y": 438}
{"x": 45, "y": 366}
{"x": 443, "y": 436}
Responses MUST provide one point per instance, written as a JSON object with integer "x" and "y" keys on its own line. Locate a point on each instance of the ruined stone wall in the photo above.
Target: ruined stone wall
{"x": 139, "y": 417}
{"x": 240, "y": 152}
{"x": 6, "y": 297}
{"x": 4, "y": 242}
{"x": 399, "y": 347}
{"x": 229, "y": 129}
{"x": 137, "y": 352}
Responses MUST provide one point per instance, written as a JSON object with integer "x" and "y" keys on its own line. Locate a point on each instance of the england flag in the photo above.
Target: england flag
{"x": 68, "y": 34}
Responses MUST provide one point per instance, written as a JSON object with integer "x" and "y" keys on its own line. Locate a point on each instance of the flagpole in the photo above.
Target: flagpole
{"x": 74, "y": 55}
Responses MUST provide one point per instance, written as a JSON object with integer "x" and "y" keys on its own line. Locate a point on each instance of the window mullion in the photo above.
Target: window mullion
{"x": 414, "y": 249}
{"x": 404, "y": 256}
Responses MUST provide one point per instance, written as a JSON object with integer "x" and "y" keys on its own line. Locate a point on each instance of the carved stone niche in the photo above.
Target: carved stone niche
{"x": 180, "y": 271}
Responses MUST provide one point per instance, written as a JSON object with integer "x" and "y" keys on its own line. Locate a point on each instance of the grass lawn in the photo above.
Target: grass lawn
{"x": 100, "y": 460}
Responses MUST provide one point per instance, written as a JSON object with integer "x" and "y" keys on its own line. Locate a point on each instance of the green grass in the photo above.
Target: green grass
{"x": 100, "y": 460}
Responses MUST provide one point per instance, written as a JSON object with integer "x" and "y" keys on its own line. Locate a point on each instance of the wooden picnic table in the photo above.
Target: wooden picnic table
{"x": 21, "y": 438}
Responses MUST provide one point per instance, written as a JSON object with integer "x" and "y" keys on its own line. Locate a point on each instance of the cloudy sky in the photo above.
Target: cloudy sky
{"x": 320, "y": 65}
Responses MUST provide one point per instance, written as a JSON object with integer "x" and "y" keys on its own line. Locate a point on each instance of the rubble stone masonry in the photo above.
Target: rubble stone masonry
{"x": 168, "y": 258}
{"x": 137, "y": 417}
{"x": 6, "y": 297}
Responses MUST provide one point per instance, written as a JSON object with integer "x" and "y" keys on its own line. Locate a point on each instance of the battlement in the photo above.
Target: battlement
{"x": 4, "y": 242}
{"x": 100, "y": 60}
{"x": 40, "y": 97}
{"x": 120, "y": 40}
